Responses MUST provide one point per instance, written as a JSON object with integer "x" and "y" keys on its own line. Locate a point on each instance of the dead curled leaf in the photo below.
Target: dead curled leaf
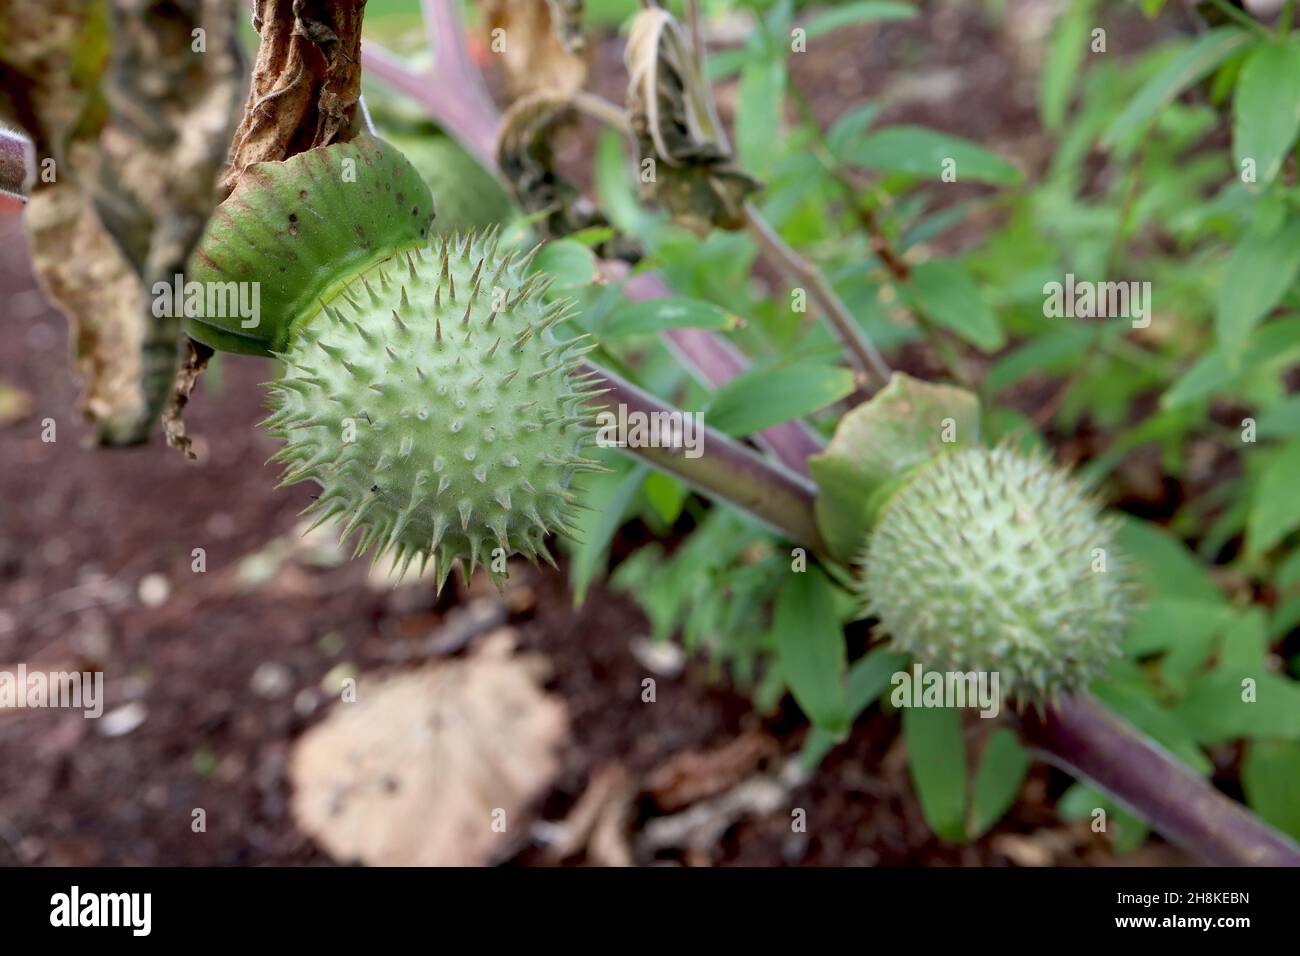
{"x": 134, "y": 127}
{"x": 675, "y": 124}
{"x": 526, "y": 158}
{"x": 417, "y": 770}
{"x": 306, "y": 81}
{"x": 540, "y": 49}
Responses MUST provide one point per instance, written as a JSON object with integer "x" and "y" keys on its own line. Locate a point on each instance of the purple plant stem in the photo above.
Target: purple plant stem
{"x": 726, "y": 470}
{"x": 1086, "y": 740}
{"x": 16, "y": 164}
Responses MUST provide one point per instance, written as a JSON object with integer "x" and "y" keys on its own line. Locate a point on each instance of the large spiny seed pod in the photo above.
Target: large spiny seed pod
{"x": 425, "y": 390}
{"x": 993, "y": 560}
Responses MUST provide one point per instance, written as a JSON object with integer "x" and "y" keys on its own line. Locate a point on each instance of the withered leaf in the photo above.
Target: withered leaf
{"x": 675, "y": 123}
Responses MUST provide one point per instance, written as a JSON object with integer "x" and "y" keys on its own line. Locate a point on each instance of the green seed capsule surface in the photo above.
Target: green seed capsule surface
{"x": 432, "y": 404}
{"x": 993, "y": 560}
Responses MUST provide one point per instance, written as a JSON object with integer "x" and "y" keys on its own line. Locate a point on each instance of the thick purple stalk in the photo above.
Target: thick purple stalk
{"x": 1088, "y": 741}
{"x": 725, "y": 470}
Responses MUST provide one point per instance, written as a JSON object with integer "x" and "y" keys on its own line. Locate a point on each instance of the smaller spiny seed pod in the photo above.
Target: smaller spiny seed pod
{"x": 425, "y": 390}
{"x": 994, "y": 560}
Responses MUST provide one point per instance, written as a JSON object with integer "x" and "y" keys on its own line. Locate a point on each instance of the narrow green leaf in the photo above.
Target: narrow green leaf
{"x": 867, "y": 679}
{"x": 1266, "y": 110}
{"x": 1189, "y": 67}
{"x": 758, "y": 120}
{"x": 1065, "y": 52}
{"x": 608, "y": 496}
{"x": 1275, "y": 506}
{"x": 658, "y": 315}
{"x": 1260, "y": 270}
{"x": 849, "y": 127}
{"x": 764, "y": 397}
{"x": 571, "y": 263}
{"x": 1164, "y": 564}
{"x": 1270, "y": 775}
{"x": 936, "y": 756}
{"x": 810, "y": 649}
{"x": 1001, "y": 773}
{"x": 922, "y": 152}
{"x": 945, "y": 292}
{"x": 850, "y": 14}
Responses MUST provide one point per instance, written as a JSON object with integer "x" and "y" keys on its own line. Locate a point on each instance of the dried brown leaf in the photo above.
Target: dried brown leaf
{"x": 418, "y": 769}
{"x": 675, "y": 123}
{"x": 537, "y": 56}
{"x": 306, "y": 81}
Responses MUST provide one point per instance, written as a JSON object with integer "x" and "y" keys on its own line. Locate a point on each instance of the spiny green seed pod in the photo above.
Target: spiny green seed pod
{"x": 424, "y": 391}
{"x": 993, "y": 560}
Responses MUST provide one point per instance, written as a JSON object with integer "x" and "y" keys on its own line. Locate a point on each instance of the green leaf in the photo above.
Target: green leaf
{"x": 1217, "y": 707}
{"x": 572, "y": 263}
{"x": 849, "y": 14}
{"x": 761, "y": 398}
{"x": 1245, "y": 645}
{"x": 945, "y": 292}
{"x": 608, "y": 496}
{"x": 874, "y": 446}
{"x": 1163, "y": 564}
{"x": 1266, "y": 110}
{"x": 1065, "y": 52}
{"x": 1273, "y": 345}
{"x": 1189, "y": 67}
{"x": 666, "y": 495}
{"x": 1270, "y": 775}
{"x": 758, "y": 121}
{"x": 849, "y": 127}
{"x": 936, "y": 756}
{"x": 1166, "y": 621}
{"x": 657, "y": 315}
{"x": 1127, "y": 831}
{"x": 867, "y": 679}
{"x": 922, "y": 152}
{"x": 1275, "y": 505}
{"x": 810, "y": 649}
{"x": 1133, "y": 701}
{"x": 1258, "y": 274}
{"x": 997, "y": 782}
{"x": 1054, "y": 351}
{"x": 1281, "y": 420}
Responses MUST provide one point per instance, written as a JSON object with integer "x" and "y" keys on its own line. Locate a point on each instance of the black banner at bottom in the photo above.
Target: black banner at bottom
{"x": 332, "y": 906}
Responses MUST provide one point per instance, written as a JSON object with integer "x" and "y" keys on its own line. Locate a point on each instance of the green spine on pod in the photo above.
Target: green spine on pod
{"x": 994, "y": 560}
{"x": 424, "y": 390}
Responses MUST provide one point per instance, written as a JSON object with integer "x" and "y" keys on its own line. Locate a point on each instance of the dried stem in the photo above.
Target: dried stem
{"x": 800, "y": 270}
